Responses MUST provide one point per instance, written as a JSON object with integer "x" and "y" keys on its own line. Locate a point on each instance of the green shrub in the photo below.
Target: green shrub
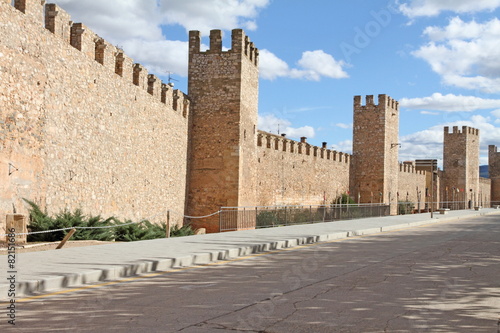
{"x": 267, "y": 218}
{"x": 138, "y": 231}
{"x": 177, "y": 231}
{"x": 405, "y": 207}
{"x": 344, "y": 198}
{"x": 122, "y": 232}
{"x": 41, "y": 221}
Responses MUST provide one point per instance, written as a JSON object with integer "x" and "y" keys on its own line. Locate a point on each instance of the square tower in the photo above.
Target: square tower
{"x": 375, "y": 165}
{"x": 494, "y": 170}
{"x": 461, "y": 161}
{"x": 223, "y": 89}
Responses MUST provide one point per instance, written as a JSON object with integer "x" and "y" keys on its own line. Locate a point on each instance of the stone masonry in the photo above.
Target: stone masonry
{"x": 461, "y": 161}
{"x": 83, "y": 126}
{"x": 494, "y": 168}
{"x": 375, "y": 150}
{"x": 76, "y": 131}
{"x": 223, "y": 89}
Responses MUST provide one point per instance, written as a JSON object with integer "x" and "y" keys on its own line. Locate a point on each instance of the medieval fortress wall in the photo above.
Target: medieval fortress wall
{"x": 411, "y": 182}
{"x": 81, "y": 126}
{"x": 494, "y": 163}
{"x": 297, "y": 173}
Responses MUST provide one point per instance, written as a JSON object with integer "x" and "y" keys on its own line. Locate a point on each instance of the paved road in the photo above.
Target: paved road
{"x": 438, "y": 278}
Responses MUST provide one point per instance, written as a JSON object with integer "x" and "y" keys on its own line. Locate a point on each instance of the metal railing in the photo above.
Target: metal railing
{"x": 240, "y": 218}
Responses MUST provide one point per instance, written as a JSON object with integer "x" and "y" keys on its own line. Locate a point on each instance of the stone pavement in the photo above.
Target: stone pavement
{"x": 39, "y": 272}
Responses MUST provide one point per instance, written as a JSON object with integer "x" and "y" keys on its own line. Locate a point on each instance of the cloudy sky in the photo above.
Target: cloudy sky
{"x": 439, "y": 58}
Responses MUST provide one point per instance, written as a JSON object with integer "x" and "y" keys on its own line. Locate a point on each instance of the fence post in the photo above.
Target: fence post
{"x": 220, "y": 219}
{"x": 65, "y": 239}
{"x": 168, "y": 224}
{"x": 19, "y": 223}
{"x": 256, "y": 217}
{"x": 286, "y": 222}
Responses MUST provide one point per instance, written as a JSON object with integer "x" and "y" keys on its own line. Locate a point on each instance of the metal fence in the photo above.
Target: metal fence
{"x": 460, "y": 205}
{"x": 240, "y": 218}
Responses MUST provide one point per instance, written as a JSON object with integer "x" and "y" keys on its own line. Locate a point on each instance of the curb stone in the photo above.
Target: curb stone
{"x": 108, "y": 274}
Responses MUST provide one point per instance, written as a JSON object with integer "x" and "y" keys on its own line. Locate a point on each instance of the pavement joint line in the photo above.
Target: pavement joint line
{"x": 222, "y": 262}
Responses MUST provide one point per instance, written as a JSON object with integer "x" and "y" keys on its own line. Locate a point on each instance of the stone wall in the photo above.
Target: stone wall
{"x": 484, "y": 195}
{"x": 76, "y": 132}
{"x": 375, "y": 149}
{"x": 410, "y": 183}
{"x": 296, "y": 173}
{"x": 494, "y": 170}
{"x": 223, "y": 88}
{"x": 461, "y": 159}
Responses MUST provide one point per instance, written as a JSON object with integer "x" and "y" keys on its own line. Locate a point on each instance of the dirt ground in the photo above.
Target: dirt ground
{"x": 34, "y": 247}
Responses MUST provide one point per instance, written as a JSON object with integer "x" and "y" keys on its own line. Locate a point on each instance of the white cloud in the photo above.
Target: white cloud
{"x": 272, "y": 124}
{"x": 344, "y": 126}
{"x": 416, "y": 8}
{"x": 429, "y": 143}
{"x": 458, "y": 29}
{"x": 312, "y": 66}
{"x": 271, "y": 67}
{"x": 343, "y": 146}
{"x": 316, "y": 64}
{"x": 160, "y": 56}
{"x": 465, "y": 54}
{"x": 118, "y": 20}
{"x": 495, "y": 113}
{"x": 136, "y": 25}
{"x": 450, "y": 103}
{"x": 429, "y": 113}
{"x": 204, "y": 15}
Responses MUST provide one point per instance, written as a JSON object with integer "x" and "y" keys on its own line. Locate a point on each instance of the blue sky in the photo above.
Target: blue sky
{"x": 439, "y": 58}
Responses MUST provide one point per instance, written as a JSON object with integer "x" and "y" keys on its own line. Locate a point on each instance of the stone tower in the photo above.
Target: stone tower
{"x": 461, "y": 161}
{"x": 223, "y": 88}
{"x": 494, "y": 170}
{"x": 375, "y": 165}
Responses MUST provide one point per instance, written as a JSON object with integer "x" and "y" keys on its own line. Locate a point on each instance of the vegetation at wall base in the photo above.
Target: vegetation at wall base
{"x": 405, "y": 207}
{"x": 177, "y": 231}
{"x": 121, "y": 232}
{"x": 344, "y": 198}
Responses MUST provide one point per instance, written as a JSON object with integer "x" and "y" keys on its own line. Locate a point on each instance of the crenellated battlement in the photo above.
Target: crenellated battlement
{"x": 384, "y": 101}
{"x": 465, "y": 130}
{"x": 96, "y": 48}
{"x": 33, "y": 8}
{"x": 410, "y": 169}
{"x": 494, "y": 163}
{"x": 281, "y": 143}
{"x": 240, "y": 44}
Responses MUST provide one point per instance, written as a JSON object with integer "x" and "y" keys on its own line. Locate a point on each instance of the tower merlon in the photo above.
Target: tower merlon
{"x": 140, "y": 78}
{"x": 181, "y": 102}
{"x": 84, "y": 39}
{"x": 215, "y": 41}
{"x": 33, "y": 8}
{"x": 369, "y": 100}
{"x": 240, "y": 43}
{"x": 194, "y": 41}
{"x": 58, "y": 21}
{"x": 154, "y": 86}
{"x": 166, "y": 94}
{"x": 357, "y": 101}
{"x": 384, "y": 101}
{"x": 105, "y": 53}
{"x": 465, "y": 130}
